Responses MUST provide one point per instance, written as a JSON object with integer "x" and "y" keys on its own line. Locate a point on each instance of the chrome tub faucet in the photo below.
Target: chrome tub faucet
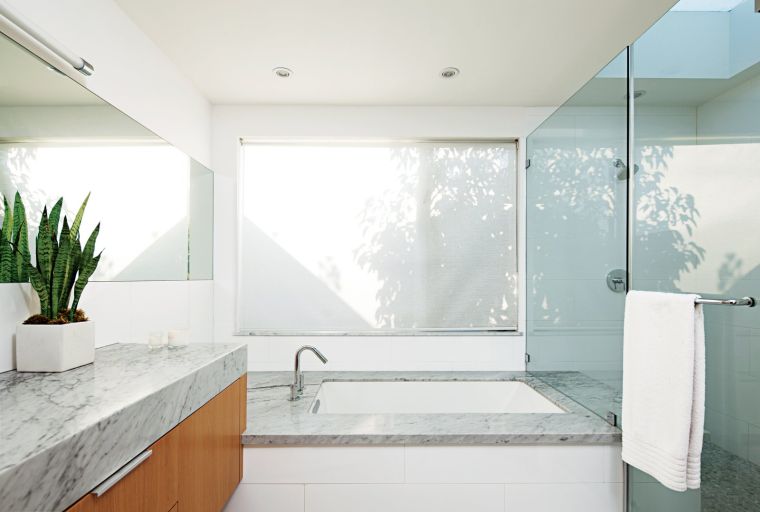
{"x": 296, "y": 389}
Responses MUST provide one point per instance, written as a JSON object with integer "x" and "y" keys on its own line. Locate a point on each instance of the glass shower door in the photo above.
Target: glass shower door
{"x": 697, "y": 228}
{"x": 576, "y": 242}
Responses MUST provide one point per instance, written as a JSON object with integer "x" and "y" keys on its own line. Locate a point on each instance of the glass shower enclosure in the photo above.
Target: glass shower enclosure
{"x": 688, "y": 222}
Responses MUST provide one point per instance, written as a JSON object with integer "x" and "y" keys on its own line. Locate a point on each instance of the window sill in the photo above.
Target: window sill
{"x": 388, "y": 334}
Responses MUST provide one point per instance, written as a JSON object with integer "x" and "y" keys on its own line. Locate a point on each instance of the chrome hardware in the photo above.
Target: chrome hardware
{"x": 744, "y": 301}
{"x": 296, "y": 389}
{"x": 616, "y": 280}
{"x": 612, "y": 418}
{"x": 121, "y": 473}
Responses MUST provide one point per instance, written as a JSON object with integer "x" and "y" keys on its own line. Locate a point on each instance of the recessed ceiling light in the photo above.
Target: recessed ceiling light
{"x": 282, "y": 72}
{"x": 449, "y": 72}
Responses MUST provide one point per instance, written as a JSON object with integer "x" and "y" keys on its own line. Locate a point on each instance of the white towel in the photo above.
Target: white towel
{"x": 664, "y": 387}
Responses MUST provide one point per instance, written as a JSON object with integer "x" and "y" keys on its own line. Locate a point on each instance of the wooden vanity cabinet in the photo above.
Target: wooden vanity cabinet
{"x": 194, "y": 467}
{"x": 210, "y": 451}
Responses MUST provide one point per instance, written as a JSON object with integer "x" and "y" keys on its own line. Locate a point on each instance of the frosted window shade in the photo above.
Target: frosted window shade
{"x": 378, "y": 237}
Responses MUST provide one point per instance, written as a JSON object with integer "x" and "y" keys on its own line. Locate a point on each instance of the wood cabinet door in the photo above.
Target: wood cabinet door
{"x": 151, "y": 486}
{"x": 195, "y": 467}
{"x": 210, "y": 452}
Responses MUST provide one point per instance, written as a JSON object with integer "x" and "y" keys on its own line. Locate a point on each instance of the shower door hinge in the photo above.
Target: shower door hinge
{"x": 527, "y": 162}
{"x": 527, "y": 358}
{"x": 612, "y": 418}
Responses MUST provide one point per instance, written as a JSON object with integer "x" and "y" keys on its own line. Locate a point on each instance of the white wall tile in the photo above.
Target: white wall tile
{"x": 109, "y": 305}
{"x": 307, "y": 464}
{"x": 508, "y": 464}
{"x": 201, "y": 312}
{"x": 588, "y": 497}
{"x": 267, "y": 498}
{"x": 356, "y": 354}
{"x": 158, "y": 306}
{"x": 405, "y": 498}
{"x": 613, "y": 463}
{"x": 17, "y": 303}
{"x": 389, "y": 353}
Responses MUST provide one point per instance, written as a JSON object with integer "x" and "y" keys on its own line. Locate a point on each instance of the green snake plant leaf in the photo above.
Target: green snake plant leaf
{"x": 75, "y": 257}
{"x": 7, "y": 219}
{"x": 19, "y": 217}
{"x": 78, "y": 219}
{"x": 85, "y": 272}
{"x": 89, "y": 247}
{"x": 45, "y": 247}
{"x": 86, "y": 268}
{"x": 40, "y": 285}
{"x": 6, "y": 248}
{"x": 55, "y": 217}
{"x": 60, "y": 269}
{"x": 20, "y": 240}
{"x": 23, "y": 255}
{"x": 6, "y": 258}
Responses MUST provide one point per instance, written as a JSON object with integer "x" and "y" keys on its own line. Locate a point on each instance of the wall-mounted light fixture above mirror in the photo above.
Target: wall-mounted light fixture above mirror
{"x": 57, "y": 139}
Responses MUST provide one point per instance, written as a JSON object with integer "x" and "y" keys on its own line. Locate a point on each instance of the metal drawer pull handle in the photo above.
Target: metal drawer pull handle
{"x": 121, "y": 473}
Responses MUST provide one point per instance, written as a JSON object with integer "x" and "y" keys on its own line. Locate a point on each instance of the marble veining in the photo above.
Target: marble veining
{"x": 273, "y": 420}
{"x": 64, "y": 433}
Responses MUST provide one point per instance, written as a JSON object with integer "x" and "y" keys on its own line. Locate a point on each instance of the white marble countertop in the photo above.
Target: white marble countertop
{"x": 64, "y": 433}
{"x": 273, "y": 420}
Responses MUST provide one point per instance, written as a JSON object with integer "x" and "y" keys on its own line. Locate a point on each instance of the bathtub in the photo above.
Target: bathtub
{"x": 425, "y": 441}
{"x": 430, "y": 397}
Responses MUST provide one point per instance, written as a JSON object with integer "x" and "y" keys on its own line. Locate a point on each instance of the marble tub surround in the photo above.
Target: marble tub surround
{"x": 273, "y": 420}
{"x": 63, "y": 433}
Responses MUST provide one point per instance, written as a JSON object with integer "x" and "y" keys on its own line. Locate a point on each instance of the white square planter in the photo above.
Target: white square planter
{"x": 54, "y": 348}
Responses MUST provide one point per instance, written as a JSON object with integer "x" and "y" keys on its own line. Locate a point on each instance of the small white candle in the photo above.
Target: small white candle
{"x": 179, "y": 337}
{"x": 156, "y": 339}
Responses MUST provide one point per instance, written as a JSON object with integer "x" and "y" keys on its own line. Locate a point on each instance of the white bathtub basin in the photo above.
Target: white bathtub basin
{"x": 441, "y": 397}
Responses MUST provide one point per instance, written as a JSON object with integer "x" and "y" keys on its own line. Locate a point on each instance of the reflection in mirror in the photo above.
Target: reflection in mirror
{"x": 57, "y": 139}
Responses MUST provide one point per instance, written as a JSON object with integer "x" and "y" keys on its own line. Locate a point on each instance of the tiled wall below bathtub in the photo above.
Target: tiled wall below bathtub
{"x": 430, "y": 479}
{"x": 124, "y": 312}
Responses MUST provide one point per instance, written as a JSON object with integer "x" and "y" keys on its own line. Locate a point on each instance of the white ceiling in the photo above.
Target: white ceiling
{"x": 390, "y": 52}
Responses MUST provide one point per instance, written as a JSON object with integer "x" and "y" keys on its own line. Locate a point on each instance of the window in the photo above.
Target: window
{"x": 388, "y": 238}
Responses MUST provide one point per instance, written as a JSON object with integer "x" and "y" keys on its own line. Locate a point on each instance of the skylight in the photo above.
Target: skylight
{"x": 706, "y": 5}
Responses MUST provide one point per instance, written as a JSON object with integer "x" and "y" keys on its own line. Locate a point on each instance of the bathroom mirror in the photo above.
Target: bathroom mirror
{"x": 58, "y": 139}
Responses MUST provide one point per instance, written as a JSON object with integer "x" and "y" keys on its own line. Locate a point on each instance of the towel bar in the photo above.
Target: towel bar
{"x": 744, "y": 301}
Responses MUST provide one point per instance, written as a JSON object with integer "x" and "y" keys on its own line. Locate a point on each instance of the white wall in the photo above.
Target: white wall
{"x": 232, "y": 122}
{"x": 135, "y": 76}
{"x": 130, "y": 71}
{"x": 430, "y": 479}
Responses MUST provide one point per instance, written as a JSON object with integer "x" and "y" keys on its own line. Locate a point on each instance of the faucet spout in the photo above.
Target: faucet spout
{"x": 296, "y": 389}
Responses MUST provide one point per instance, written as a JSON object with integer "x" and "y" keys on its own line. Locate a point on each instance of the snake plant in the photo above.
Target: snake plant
{"x": 63, "y": 267}
{"x": 14, "y": 243}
